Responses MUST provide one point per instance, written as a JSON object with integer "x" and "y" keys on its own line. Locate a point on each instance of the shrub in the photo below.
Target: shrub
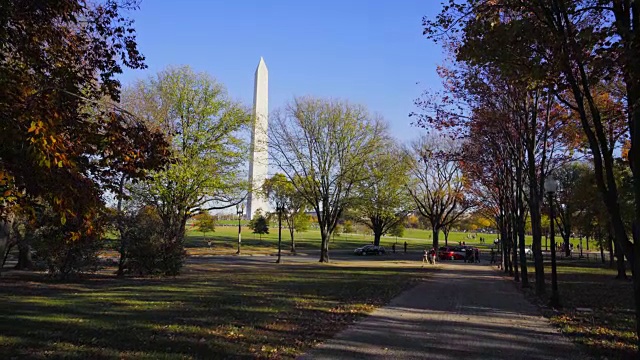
{"x": 66, "y": 249}
{"x": 146, "y": 250}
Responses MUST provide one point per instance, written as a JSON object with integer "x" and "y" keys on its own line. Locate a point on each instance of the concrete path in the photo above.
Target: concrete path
{"x": 465, "y": 311}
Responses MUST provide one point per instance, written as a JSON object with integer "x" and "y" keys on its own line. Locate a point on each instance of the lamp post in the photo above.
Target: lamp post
{"x": 546, "y": 240}
{"x": 550, "y": 187}
{"x": 279, "y": 208}
{"x": 239, "y": 211}
{"x": 581, "y": 247}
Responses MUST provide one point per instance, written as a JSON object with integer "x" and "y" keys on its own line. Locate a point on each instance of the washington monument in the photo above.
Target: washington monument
{"x": 259, "y": 161}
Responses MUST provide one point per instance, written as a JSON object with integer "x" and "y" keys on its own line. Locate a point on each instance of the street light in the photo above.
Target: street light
{"x": 581, "y": 247}
{"x": 566, "y": 245}
{"x": 550, "y": 187}
{"x": 239, "y": 211}
{"x": 279, "y": 208}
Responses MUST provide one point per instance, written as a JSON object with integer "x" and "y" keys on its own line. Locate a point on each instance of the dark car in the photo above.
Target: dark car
{"x": 370, "y": 250}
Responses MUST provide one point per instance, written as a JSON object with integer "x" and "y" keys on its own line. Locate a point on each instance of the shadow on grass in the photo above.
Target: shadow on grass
{"x": 249, "y": 310}
{"x": 597, "y": 308}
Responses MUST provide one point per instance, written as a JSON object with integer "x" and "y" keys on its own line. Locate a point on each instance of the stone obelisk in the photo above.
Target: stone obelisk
{"x": 259, "y": 161}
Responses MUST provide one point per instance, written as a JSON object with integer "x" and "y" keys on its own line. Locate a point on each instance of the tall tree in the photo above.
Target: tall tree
{"x": 381, "y": 198}
{"x": 203, "y": 125}
{"x": 438, "y": 184}
{"x": 281, "y": 192}
{"x": 579, "y": 46}
{"x": 205, "y": 223}
{"x": 322, "y": 146}
{"x": 62, "y": 140}
{"x": 570, "y": 203}
{"x": 259, "y": 224}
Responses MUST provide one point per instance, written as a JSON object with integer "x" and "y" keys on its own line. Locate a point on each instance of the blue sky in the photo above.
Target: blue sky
{"x": 367, "y": 51}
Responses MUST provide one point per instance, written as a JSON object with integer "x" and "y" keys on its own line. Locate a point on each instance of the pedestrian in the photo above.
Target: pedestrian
{"x": 493, "y": 256}
{"x": 405, "y": 247}
{"x": 425, "y": 257}
{"x": 393, "y": 247}
{"x": 476, "y": 254}
{"x": 432, "y": 254}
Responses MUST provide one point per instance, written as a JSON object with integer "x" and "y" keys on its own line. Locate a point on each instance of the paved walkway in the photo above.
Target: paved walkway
{"x": 465, "y": 311}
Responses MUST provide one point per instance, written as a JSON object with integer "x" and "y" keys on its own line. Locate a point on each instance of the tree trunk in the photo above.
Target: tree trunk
{"x": 536, "y": 246}
{"x": 508, "y": 247}
{"x": 293, "y": 243}
{"x": 436, "y": 232}
{"x": 503, "y": 248}
{"x": 566, "y": 233}
{"x": 622, "y": 271}
{"x": 514, "y": 255}
{"x": 121, "y": 229}
{"x": 601, "y": 247}
{"x": 123, "y": 255}
{"x": 514, "y": 246}
{"x": 376, "y": 238}
{"x": 24, "y": 256}
{"x": 4, "y": 241}
{"x": 446, "y": 237}
{"x": 628, "y": 26}
{"x": 324, "y": 246}
{"x": 523, "y": 256}
{"x": 587, "y": 242}
{"x": 610, "y": 238}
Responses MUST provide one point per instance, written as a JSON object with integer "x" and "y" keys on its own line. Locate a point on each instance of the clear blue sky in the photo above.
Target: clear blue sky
{"x": 367, "y": 51}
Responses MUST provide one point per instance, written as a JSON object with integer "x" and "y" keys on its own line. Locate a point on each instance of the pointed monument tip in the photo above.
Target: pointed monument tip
{"x": 262, "y": 65}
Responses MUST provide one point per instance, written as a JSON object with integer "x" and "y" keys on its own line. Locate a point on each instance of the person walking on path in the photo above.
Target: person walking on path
{"x": 476, "y": 254}
{"x": 432, "y": 255}
{"x": 405, "y": 247}
{"x": 393, "y": 247}
{"x": 425, "y": 257}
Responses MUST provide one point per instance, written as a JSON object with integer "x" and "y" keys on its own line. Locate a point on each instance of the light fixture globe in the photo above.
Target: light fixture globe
{"x": 550, "y": 184}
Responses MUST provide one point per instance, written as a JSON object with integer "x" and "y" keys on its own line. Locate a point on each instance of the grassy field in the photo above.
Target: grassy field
{"x": 605, "y": 323}
{"x": 224, "y": 240}
{"x": 237, "y": 310}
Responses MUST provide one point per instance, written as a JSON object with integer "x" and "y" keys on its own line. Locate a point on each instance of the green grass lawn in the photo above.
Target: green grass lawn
{"x": 225, "y": 240}
{"x": 248, "y": 310}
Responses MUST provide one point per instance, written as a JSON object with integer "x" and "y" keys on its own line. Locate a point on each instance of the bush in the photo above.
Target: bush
{"x": 65, "y": 249}
{"x": 146, "y": 250}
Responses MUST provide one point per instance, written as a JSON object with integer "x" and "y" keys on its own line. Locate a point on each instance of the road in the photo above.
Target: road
{"x": 466, "y": 311}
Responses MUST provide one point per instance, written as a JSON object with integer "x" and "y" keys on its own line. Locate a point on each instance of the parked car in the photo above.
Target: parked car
{"x": 370, "y": 250}
{"x": 451, "y": 253}
{"x": 445, "y": 253}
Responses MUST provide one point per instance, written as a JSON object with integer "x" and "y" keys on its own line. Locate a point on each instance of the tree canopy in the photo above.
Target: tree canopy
{"x": 321, "y": 146}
